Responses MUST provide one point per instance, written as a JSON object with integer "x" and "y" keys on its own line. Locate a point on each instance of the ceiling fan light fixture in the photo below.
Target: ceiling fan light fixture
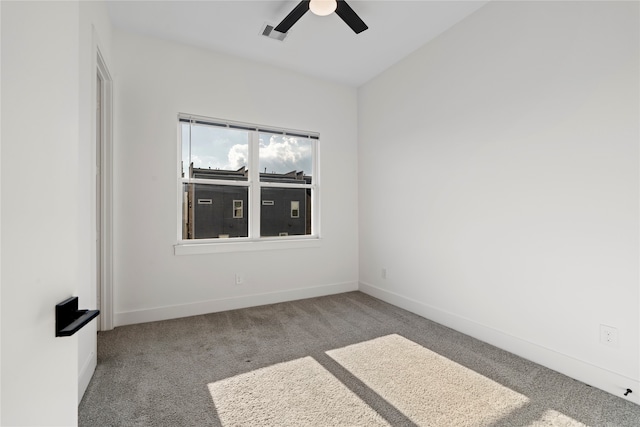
{"x": 323, "y": 7}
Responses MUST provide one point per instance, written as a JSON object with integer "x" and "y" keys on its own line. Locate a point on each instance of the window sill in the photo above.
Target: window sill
{"x": 244, "y": 246}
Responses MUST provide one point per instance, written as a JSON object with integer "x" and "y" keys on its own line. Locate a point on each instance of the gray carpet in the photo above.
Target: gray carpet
{"x": 341, "y": 360}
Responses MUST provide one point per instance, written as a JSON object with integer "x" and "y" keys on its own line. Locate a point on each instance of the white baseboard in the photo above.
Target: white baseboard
{"x": 88, "y": 368}
{"x": 585, "y": 372}
{"x": 224, "y": 304}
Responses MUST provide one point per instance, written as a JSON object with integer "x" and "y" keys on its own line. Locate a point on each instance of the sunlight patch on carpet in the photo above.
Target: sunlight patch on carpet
{"x": 426, "y": 387}
{"x": 296, "y": 393}
{"x": 556, "y": 419}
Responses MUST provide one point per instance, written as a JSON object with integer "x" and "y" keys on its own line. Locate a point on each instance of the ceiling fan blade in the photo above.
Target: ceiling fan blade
{"x": 350, "y": 17}
{"x": 293, "y": 16}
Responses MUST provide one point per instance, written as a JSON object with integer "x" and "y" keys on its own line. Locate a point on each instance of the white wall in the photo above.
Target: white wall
{"x": 0, "y": 217}
{"x": 95, "y": 33}
{"x": 41, "y": 238}
{"x": 498, "y": 183}
{"x": 154, "y": 81}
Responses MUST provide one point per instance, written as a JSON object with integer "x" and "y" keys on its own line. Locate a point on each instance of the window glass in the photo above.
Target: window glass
{"x": 295, "y": 209}
{"x": 221, "y": 197}
{"x": 238, "y": 209}
{"x": 214, "y": 152}
{"x": 277, "y": 218}
{"x": 214, "y": 211}
{"x": 285, "y": 158}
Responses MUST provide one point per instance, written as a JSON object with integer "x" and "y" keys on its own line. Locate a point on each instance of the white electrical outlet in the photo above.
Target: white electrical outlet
{"x": 383, "y": 273}
{"x": 608, "y": 336}
{"x": 239, "y": 279}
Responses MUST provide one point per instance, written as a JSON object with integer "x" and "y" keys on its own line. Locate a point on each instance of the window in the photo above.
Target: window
{"x": 226, "y": 166}
{"x": 238, "y": 209}
{"x": 295, "y": 209}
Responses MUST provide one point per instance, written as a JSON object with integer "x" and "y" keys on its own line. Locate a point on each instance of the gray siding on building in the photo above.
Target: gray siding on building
{"x": 215, "y": 219}
{"x": 276, "y": 219}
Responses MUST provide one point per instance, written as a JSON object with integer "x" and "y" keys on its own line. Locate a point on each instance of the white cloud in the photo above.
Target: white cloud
{"x": 279, "y": 154}
{"x": 284, "y": 154}
{"x": 238, "y": 156}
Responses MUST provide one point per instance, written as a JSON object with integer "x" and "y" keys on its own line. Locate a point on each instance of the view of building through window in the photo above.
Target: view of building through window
{"x": 218, "y": 185}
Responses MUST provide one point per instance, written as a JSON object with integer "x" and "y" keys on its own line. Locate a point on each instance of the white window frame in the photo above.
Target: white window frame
{"x": 254, "y": 241}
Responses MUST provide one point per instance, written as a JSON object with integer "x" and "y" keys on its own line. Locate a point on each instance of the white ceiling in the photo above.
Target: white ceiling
{"x": 324, "y": 47}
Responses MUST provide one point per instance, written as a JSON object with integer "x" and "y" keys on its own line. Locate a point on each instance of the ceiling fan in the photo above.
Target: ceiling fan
{"x": 323, "y": 8}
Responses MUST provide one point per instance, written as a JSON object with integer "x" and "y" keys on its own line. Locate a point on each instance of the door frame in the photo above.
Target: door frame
{"x": 104, "y": 286}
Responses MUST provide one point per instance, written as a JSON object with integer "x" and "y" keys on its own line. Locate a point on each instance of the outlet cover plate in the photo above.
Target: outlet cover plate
{"x": 609, "y": 336}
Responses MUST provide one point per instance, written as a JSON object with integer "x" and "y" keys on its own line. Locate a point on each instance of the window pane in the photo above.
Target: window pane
{"x": 238, "y": 209}
{"x": 285, "y": 158}
{"x": 210, "y": 211}
{"x": 295, "y": 209}
{"x": 214, "y": 152}
{"x": 276, "y": 217}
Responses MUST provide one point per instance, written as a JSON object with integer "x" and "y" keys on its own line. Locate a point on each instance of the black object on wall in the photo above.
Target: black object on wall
{"x": 69, "y": 319}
